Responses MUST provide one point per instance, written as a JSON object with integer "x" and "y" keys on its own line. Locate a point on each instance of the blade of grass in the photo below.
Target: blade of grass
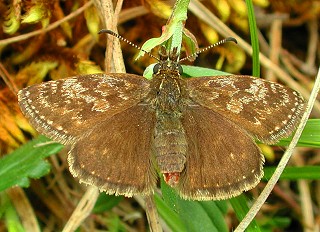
{"x": 254, "y": 39}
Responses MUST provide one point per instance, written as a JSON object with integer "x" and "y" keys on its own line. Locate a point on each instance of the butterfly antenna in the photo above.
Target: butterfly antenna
{"x": 127, "y": 41}
{"x": 209, "y": 47}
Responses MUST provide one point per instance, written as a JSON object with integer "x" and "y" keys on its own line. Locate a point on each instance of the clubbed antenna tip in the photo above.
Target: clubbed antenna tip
{"x": 107, "y": 31}
{"x": 231, "y": 39}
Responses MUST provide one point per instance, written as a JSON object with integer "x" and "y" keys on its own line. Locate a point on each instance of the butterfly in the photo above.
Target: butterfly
{"x": 197, "y": 132}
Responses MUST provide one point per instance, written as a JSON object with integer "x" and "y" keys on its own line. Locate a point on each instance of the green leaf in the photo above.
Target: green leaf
{"x": 216, "y": 211}
{"x": 195, "y": 71}
{"x": 106, "y": 202}
{"x": 194, "y": 215}
{"x": 310, "y": 136}
{"x": 172, "y": 32}
{"x": 171, "y": 218}
{"x": 9, "y": 214}
{"x": 276, "y": 222}
{"x": 114, "y": 223}
{"x": 196, "y": 218}
{"x": 27, "y": 162}
{"x": 240, "y": 207}
{"x": 167, "y": 207}
{"x": 295, "y": 173}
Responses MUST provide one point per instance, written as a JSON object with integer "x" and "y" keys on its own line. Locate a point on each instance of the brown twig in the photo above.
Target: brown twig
{"x": 83, "y": 209}
{"x": 275, "y": 46}
{"x": 24, "y": 209}
{"x": 305, "y": 198}
{"x": 113, "y": 56}
{"x": 8, "y": 80}
{"x": 152, "y": 214}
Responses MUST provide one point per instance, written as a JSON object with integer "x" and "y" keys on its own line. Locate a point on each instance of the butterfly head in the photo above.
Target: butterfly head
{"x": 168, "y": 61}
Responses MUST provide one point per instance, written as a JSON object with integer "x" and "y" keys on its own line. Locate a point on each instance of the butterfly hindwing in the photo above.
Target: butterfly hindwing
{"x": 116, "y": 154}
{"x": 267, "y": 110}
{"x": 222, "y": 159}
{"x": 66, "y": 108}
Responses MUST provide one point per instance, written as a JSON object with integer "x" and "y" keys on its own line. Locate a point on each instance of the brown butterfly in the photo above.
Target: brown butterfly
{"x": 198, "y": 132}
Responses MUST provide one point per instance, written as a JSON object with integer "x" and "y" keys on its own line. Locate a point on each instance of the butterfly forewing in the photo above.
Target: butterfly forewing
{"x": 267, "y": 110}
{"x": 116, "y": 154}
{"x": 66, "y": 108}
{"x": 222, "y": 159}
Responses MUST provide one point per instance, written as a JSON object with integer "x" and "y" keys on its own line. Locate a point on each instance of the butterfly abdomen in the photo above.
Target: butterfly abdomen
{"x": 170, "y": 144}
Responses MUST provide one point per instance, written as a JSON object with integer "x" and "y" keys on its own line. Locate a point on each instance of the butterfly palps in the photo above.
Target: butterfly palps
{"x": 198, "y": 132}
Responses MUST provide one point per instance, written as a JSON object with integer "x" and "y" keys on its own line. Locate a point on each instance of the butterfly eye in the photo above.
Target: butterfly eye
{"x": 180, "y": 69}
{"x": 156, "y": 68}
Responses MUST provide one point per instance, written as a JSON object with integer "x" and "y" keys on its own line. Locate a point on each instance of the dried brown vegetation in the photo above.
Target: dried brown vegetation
{"x": 43, "y": 40}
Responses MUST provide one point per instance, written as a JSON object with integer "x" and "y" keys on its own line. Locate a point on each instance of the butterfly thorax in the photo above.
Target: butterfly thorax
{"x": 168, "y": 96}
{"x": 168, "y": 91}
{"x": 169, "y": 136}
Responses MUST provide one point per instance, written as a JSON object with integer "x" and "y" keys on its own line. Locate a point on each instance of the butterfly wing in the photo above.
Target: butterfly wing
{"x": 222, "y": 159}
{"x": 267, "y": 110}
{"x": 116, "y": 154}
{"x": 66, "y": 108}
